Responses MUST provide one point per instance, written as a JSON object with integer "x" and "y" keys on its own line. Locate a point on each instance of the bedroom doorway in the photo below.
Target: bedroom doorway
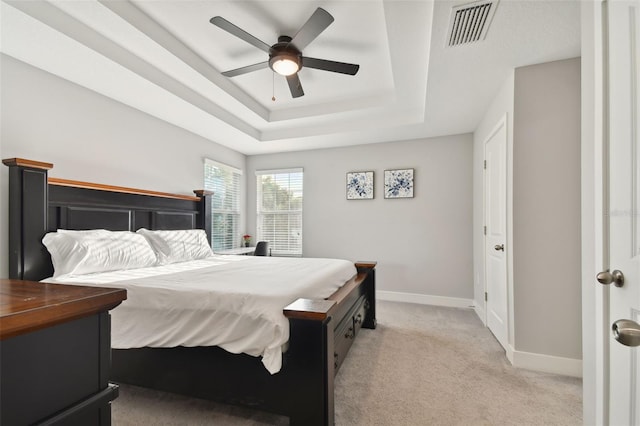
{"x": 495, "y": 233}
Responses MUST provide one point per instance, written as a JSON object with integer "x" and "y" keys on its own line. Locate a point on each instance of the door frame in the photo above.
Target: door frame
{"x": 595, "y": 310}
{"x": 502, "y": 122}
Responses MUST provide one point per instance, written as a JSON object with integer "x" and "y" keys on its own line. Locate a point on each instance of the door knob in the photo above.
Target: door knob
{"x": 626, "y": 332}
{"x": 499, "y": 247}
{"x": 616, "y": 277}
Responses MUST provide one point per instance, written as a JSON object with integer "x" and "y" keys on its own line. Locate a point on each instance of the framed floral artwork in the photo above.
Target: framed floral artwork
{"x": 398, "y": 183}
{"x": 360, "y": 186}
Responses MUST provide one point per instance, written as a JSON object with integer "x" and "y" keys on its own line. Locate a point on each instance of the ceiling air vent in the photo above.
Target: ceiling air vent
{"x": 470, "y": 22}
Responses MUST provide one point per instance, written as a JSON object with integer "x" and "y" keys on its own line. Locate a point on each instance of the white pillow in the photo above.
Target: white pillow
{"x": 86, "y": 252}
{"x": 178, "y": 246}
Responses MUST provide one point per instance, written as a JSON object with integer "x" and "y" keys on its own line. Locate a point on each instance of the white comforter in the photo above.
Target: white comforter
{"x": 234, "y": 302}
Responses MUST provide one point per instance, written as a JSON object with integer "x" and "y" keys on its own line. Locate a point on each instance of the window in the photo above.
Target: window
{"x": 279, "y": 210}
{"x": 224, "y": 181}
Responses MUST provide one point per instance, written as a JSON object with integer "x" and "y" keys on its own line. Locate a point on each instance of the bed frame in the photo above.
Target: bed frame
{"x": 321, "y": 331}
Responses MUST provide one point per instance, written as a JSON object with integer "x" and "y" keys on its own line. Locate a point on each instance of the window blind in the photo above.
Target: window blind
{"x": 224, "y": 181}
{"x": 279, "y": 212}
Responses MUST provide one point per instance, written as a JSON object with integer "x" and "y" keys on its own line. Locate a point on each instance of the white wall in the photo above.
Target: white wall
{"x": 423, "y": 245}
{"x": 92, "y": 138}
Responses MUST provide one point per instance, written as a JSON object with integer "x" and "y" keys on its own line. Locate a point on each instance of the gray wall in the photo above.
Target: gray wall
{"x": 418, "y": 242}
{"x": 546, "y": 209}
{"x": 423, "y": 245}
{"x": 542, "y": 105}
{"x": 93, "y": 138}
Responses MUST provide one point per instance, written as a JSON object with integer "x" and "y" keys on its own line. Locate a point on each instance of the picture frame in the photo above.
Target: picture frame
{"x": 360, "y": 185}
{"x": 398, "y": 183}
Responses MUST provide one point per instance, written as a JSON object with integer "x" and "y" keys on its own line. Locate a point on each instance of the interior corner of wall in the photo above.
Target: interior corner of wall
{"x": 478, "y": 307}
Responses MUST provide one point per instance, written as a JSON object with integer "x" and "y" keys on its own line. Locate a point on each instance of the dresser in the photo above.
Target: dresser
{"x": 55, "y": 353}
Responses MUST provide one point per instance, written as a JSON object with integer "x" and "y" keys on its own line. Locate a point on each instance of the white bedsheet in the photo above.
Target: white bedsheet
{"x": 234, "y": 302}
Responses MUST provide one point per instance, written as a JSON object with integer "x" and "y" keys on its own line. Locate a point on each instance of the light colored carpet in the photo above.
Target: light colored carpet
{"x": 423, "y": 365}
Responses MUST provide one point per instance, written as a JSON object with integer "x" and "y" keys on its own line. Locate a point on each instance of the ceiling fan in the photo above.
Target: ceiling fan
{"x": 285, "y": 57}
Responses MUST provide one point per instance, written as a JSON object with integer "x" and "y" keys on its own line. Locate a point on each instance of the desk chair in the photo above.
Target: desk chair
{"x": 262, "y": 248}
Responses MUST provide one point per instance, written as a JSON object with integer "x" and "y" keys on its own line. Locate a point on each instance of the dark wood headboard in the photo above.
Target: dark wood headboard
{"x": 39, "y": 204}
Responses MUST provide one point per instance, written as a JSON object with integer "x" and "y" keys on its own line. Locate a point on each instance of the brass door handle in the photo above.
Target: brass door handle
{"x": 499, "y": 247}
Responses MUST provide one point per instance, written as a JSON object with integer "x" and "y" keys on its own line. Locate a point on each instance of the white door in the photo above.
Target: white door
{"x": 495, "y": 205}
{"x": 624, "y": 208}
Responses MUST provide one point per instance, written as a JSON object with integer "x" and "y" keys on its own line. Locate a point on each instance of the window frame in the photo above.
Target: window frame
{"x": 283, "y": 247}
{"x": 233, "y": 239}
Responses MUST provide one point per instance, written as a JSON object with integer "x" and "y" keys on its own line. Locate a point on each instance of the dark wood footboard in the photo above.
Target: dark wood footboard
{"x": 321, "y": 331}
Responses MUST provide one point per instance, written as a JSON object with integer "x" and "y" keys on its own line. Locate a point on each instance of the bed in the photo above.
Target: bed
{"x": 321, "y": 330}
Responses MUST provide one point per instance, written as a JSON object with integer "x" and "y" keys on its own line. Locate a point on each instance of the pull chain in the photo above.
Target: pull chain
{"x": 273, "y": 87}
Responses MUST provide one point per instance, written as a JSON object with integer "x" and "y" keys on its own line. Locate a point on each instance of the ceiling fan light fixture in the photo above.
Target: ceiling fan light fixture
{"x": 284, "y": 64}
{"x": 285, "y": 57}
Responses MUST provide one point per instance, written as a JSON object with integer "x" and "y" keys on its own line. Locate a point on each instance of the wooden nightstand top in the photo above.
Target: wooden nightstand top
{"x": 27, "y": 306}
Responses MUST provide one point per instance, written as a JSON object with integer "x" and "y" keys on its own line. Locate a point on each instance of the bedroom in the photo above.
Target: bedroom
{"x": 90, "y": 136}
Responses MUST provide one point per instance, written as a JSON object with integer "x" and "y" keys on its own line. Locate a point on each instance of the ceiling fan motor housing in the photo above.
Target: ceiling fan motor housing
{"x": 284, "y": 50}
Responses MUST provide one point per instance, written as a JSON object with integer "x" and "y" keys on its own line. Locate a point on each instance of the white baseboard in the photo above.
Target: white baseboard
{"x": 424, "y": 299}
{"x": 545, "y": 363}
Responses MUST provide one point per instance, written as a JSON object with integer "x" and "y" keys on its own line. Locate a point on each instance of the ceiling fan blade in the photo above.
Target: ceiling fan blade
{"x": 333, "y": 66}
{"x": 247, "y": 69}
{"x": 295, "y": 86}
{"x": 219, "y": 21}
{"x": 316, "y": 24}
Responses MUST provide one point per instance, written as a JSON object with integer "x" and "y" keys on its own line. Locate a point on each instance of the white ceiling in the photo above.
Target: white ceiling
{"x": 165, "y": 58}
